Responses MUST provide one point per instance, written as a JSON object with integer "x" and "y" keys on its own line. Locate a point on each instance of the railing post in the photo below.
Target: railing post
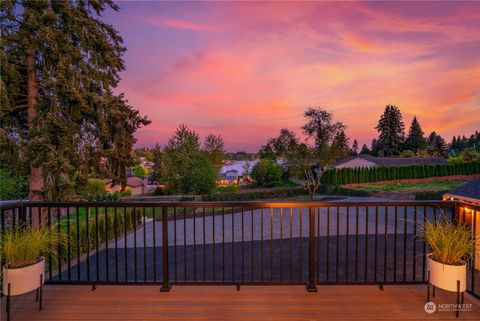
{"x": 311, "y": 247}
{"x": 21, "y": 214}
{"x": 166, "y": 284}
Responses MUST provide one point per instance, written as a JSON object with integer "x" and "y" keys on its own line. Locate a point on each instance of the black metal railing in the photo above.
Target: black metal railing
{"x": 240, "y": 242}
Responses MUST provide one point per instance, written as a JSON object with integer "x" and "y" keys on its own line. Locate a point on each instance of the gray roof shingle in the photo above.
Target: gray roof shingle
{"x": 469, "y": 189}
{"x": 397, "y": 161}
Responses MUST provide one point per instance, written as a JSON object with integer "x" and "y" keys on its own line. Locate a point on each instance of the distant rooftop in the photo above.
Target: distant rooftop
{"x": 396, "y": 161}
{"x": 469, "y": 191}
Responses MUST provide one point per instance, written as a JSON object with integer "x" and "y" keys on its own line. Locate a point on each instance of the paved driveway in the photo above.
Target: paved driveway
{"x": 278, "y": 223}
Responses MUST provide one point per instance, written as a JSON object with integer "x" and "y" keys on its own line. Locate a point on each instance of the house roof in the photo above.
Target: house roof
{"x": 469, "y": 190}
{"x": 396, "y": 161}
{"x": 224, "y": 176}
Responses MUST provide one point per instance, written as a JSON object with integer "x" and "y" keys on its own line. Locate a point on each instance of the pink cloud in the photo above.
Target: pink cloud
{"x": 176, "y": 23}
{"x": 267, "y": 62}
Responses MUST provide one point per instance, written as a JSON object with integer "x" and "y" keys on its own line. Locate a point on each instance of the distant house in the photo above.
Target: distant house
{"x": 468, "y": 192}
{"x": 135, "y": 184}
{"x": 229, "y": 177}
{"x": 371, "y": 161}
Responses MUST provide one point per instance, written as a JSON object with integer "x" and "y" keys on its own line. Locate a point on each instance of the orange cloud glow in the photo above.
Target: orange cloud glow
{"x": 245, "y": 70}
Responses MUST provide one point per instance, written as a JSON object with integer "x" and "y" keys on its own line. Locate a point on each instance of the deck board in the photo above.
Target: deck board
{"x": 332, "y": 302}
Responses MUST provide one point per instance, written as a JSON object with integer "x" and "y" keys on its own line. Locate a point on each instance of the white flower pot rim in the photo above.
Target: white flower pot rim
{"x": 429, "y": 255}
{"x": 40, "y": 259}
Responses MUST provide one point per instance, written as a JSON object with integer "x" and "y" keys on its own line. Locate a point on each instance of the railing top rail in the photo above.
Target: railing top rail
{"x": 242, "y": 204}
{"x": 469, "y": 205}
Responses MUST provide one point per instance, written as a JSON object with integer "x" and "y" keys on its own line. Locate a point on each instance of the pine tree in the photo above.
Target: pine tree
{"x": 354, "y": 150}
{"x": 436, "y": 144}
{"x": 365, "y": 150}
{"x": 415, "y": 140}
{"x": 391, "y": 130}
{"x": 59, "y": 64}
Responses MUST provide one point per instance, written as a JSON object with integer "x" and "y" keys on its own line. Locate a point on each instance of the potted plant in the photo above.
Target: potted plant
{"x": 23, "y": 250}
{"x": 450, "y": 246}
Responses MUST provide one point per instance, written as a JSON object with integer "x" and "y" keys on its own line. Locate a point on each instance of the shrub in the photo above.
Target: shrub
{"x": 254, "y": 194}
{"x": 430, "y": 195}
{"x": 22, "y": 246}
{"x": 228, "y": 189}
{"x": 94, "y": 190}
{"x": 140, "y": 171}
{"x": 107, "y": 225}
{"x": 267, "y": 173}
{"x": 449, "y": 243}
{"x": 12, "y": 187}
{"x": 186, "y": 199}
{"x": 337, "y": 190}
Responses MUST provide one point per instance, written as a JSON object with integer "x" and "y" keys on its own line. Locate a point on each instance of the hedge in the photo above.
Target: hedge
{"x": 88, "y": 241}
{"x": 374, "y": 174}
{"x": 337, "y": 190}
{"x": 430, "y": 195}
{"x": 254, "y": 195}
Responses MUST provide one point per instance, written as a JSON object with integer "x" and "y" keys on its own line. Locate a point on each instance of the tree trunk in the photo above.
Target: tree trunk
{"x": 35, "y": 178}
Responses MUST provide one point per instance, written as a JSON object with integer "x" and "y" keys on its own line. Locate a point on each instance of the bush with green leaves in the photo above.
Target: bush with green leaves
{"x": 430, "y": 195}
{"x": 106, "y": 226}
{"x": 253, "y": 194}
{"x": 267, "y": 173}
{"x": 337, "y": 190}
{"x": 140, "y": 171}
{"x": 94, "y": 190}
{"x": 12, "y": 187}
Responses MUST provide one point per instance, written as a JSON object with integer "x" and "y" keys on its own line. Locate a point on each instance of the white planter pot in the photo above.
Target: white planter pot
{"x": 23, "y": 280}
{"x": 445, "y": 276}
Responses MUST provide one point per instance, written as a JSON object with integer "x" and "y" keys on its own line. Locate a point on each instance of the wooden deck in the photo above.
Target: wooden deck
{"x": 332, "y": 302}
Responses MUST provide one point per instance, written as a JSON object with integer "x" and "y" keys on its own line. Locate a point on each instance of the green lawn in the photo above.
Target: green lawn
{"x": 408, "y": 187}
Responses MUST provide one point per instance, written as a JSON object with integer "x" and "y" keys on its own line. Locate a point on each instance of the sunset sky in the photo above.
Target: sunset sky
{"x": 244, "y": 70}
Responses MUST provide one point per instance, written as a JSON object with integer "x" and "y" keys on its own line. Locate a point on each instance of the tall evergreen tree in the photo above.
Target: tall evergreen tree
{"x": 436, "y": 144}
{"x": 365, "y": 150}
{"x": 354, "y": 150}
{"x": 375, "y": 150}
{"x": 415, "y": 140}
{"x": 391, "y": 130}
{"x": 59, "y": 63}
